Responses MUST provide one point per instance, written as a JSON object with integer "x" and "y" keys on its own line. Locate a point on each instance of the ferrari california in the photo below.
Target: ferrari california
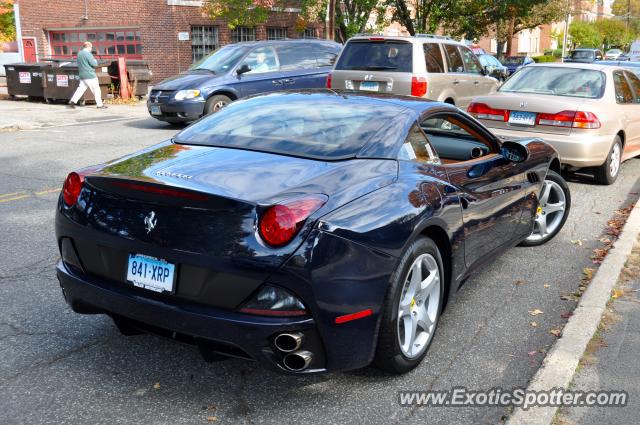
{"x": 310, "y": 231}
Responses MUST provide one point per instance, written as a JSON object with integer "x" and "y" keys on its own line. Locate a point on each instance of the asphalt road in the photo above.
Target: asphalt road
{"x": 60, "y": 367}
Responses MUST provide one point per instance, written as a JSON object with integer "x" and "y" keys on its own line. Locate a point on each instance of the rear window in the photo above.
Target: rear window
{"x": 388, "y": 55}
{"x": 574, "y": 82}
{"x": 513, "y": 60}
{"x": 332, "y": 129}
{"x": 582, "y": 54}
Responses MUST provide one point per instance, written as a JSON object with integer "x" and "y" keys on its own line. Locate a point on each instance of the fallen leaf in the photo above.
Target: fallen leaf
{"x": 519, "y": 282}
{"x": 546, "y": 285}
{"x": 535, "y": 312}
{"x": 533, "y": 324}
{"x": 556, "y": 332}
{"x": 156, "y": 386}
{"x": 616, "y": 293}
{"x": 212, "y": 418}
{"x": 211, "y": 407}
{"x": 577, "y": 242}
{"x": 532, "y": 353}
{"x": 566, "y": 314}
{"x": 587, "y": 273}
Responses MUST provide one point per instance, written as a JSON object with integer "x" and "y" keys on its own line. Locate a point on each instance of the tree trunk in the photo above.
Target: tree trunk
{"x": 510, "y": 30}
{"x": 331, "y": 20}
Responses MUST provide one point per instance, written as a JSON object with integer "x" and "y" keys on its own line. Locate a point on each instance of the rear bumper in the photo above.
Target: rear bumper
{"x": 177, "y": 111}
{"x": 245, "y": 336}
{"x": 577, "y": 150}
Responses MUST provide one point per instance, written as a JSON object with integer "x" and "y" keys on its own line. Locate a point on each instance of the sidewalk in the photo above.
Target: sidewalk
{"x": 611, "y": 359}
{"x": 23, "y": 115}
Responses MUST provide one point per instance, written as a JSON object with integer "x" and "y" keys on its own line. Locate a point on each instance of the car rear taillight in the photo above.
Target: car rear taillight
{"x": 72, "y": 188}
{"x": 485, "y": 112}
{"x": 575, "y": 119}
{"x": 280, "y": 223}
{"x": 329, "y": 78}
{"x": 418, "y": 86}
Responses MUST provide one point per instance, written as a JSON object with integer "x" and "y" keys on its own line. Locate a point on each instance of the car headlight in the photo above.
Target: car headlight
{"x": 187, "y": 94}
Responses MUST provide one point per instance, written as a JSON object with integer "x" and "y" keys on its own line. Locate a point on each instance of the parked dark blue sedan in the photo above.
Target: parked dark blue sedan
{"x": 306, "y": 238}
{"x": 240, "y": 70}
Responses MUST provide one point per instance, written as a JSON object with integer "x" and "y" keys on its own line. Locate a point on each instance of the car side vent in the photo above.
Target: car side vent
{"x": 533, "y": 177}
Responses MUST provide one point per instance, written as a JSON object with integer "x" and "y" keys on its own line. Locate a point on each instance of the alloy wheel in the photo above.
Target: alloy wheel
{"x": 551, "y": 210}
{"x": 614, "y": 164}
{"x": 419, "y": 306}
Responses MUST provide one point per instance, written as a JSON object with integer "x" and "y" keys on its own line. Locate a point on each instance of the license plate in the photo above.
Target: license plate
{"x": 151, "y": 273}
{"x": 155, "y": 110}
{"x": 369, "y": 86}
{"x": 522, "y": 118}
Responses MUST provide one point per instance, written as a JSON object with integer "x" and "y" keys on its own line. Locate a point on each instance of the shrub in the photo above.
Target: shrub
{"x": 543, "y": 59}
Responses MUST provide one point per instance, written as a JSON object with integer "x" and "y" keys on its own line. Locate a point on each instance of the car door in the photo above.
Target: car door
{"x": 480, "y": 83}
{"x": 491, "y": 188}
{"x": 263, "y": 73}
{"x": 299, "y": 67}
{"x": 632, "y": 115}
{"x": 459, "y": 80}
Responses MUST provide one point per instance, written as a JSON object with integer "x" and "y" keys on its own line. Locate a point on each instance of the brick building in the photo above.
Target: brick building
{"x": 170, "y": 34}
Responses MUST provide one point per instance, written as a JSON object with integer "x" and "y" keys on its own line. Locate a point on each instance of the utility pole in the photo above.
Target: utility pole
{"x": 330, "y": 27}
{"x": 628, "y": 13}
{"x": 566, "y": 32}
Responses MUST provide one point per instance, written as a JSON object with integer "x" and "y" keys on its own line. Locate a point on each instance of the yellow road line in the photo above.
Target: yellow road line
{"x": 13, "y": 199}
{"x": 6, "y": 195}
{"x": 44, "y": 192}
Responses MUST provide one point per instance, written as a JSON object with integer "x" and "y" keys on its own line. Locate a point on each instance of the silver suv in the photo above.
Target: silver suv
{"x": 432, "y": 67}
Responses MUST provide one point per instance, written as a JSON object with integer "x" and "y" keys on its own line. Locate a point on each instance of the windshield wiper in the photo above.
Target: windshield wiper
{"x": 203, "y": 69}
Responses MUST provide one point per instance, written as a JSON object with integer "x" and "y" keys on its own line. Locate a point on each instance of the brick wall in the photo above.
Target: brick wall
{"x": 158, "y": 22}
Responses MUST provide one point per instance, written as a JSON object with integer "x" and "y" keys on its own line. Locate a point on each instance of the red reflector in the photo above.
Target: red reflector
{"x": 418, "y": 86}
{"x": 161, "y": 191}
{"x": 485, "y": 112}
{"x": 280, "y": 223}
{"x": 262, "y": 312}
{"x": 329, "y": 80}
{"x": 353, "y": 316}
{"x": 72, "y": 188}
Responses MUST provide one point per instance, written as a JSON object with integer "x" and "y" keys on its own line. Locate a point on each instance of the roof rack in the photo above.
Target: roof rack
{"x": 441, "y": 37}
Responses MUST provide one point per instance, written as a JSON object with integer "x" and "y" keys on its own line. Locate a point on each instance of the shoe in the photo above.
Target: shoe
{"x": 71, "y": 105}
{"x": 102, "y": 107}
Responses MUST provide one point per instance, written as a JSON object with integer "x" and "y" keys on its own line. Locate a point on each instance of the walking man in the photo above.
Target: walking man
{"x": 88, "y": 77}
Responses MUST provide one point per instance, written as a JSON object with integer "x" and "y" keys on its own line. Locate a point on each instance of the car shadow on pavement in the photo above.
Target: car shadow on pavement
{"x": 153, "y": 124}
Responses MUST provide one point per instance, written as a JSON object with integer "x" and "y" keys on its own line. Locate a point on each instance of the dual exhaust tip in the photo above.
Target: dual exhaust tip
{"x": 295, "y": 360}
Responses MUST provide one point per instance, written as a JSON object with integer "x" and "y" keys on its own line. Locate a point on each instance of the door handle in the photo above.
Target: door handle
{"x": 288, "y": 81}
{"x": 276, "y": 82}
{"x": 456, "y": 82}
{"x": 476, "y": 82}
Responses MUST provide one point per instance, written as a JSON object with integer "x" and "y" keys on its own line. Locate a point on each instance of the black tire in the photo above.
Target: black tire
{"x": 602, "y": 173}
{"x": 557, "y": 178}
{"x": 215, "y": 103}
{"x": 389, "y": 356}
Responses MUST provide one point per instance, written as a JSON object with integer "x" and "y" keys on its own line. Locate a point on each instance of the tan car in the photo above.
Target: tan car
{"x": 428, "y": 66}
{"x": 590, "y": 113}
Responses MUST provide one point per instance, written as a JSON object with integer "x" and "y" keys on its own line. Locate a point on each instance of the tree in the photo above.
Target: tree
{"x": 7, "y": 21}
{"x": 584, "y": 34}
{"x": 614, "y": 33}
{"x": 352, "y": 17}
{"x": 423, "y": 16}
{"x": 240, "y": 12}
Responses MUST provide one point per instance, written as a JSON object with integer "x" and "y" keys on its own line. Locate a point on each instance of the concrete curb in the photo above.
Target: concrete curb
{"x": 559, "y": 366}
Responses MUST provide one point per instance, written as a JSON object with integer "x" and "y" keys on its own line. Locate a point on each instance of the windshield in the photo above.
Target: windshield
{"x": 365, "y": 55}
{"x": 574, "y": 82}
{"x": 614, "y": 52}
{"x": 582, "y": 54}
{"x": 222, "y": 60}
{"x": 334, "y": 128}
{"x": 514, "y": 60}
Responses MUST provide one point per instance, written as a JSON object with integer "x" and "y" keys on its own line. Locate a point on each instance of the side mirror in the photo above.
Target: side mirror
{"x": 244, "y": 68}
{"x": 486, "y": 70}
{"x": 514, "y": 151}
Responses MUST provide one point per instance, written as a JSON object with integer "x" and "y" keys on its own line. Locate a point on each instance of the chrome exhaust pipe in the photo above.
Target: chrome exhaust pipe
{"x": 288, "y": 342}
{"x": 297, "y": 361}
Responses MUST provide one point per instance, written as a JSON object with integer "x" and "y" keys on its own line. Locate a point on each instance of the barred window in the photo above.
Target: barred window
{"x": 274, "y": 33}
{"x": 243, "y": 34}
{"x": 204, "y": 40}
{"x": 309, "y": 33}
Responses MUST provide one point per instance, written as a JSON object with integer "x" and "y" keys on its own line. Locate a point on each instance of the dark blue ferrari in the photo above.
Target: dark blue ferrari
{"x": 310, "y": 231}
